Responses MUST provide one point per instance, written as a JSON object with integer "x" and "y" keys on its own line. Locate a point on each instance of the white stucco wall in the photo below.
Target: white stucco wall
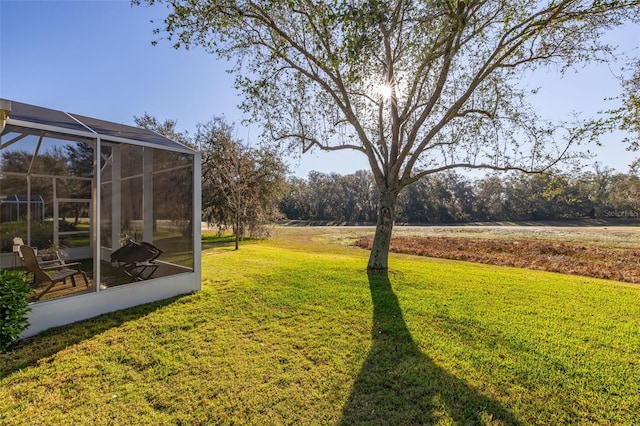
{"x": 66, "y": 310}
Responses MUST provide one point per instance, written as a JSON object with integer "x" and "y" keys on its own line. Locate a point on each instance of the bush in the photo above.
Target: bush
{"x": 41, "y": 234}
{"x": 14, "y": 289}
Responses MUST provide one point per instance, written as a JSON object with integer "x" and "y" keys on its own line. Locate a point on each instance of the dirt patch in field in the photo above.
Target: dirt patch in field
{"x": 621, "y": 264}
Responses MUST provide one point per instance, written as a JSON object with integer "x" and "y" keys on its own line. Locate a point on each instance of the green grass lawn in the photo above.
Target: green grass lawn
{"x": 292, "y": 331}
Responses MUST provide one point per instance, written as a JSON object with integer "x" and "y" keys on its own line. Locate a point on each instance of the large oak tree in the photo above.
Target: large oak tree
{"x": 418, "y": 87}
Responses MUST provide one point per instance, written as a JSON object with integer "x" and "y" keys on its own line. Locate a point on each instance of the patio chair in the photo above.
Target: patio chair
{"x": 52, "y": 255}
{"x": 49, "y": 274}
{"x": 137, "y": 259}
{"x": 50, "y": 258}
{"x": 17, "y": 242}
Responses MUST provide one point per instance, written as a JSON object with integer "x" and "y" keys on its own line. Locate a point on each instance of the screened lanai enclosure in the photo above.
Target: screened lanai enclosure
{"x": 116, "y": 207}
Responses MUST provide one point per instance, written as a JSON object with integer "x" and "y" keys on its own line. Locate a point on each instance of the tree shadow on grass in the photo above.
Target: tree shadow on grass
{"x": 399, "y": 385}
{"x": 27, "y": 352}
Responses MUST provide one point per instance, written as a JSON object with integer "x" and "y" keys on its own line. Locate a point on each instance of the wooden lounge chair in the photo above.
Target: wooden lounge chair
{"x": 51, "y": 274}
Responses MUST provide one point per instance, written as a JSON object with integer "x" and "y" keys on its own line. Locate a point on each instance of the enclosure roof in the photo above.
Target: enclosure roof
{"x": 25, "y": 115}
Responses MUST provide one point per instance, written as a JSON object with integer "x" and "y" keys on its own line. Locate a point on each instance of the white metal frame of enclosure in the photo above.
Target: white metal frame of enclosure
{"x": 65, "y": 310}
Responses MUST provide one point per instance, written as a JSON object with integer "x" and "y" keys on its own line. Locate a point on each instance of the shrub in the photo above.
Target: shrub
{"x": 14, "y": 289}
{"x": 41, "y": 234}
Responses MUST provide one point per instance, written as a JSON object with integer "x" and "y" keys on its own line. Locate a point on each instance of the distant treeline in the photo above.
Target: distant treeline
{"x": 453, "y": 198}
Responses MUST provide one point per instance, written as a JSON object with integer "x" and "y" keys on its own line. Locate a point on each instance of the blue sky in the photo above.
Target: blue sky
{"x": 95, "y": 58}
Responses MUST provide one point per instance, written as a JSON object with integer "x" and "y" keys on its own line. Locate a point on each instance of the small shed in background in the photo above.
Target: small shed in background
{"x": 14, "y": 205}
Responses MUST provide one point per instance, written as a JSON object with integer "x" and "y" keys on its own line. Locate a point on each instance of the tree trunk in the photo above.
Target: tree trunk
{"x": 379, "y": 257}
{"x": 237, "y": 230}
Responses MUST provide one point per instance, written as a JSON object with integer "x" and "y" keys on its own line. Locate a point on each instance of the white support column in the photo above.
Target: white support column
{"x": 116, "y": 196}
{"x": 197, "y": 217}
{"x": 56, "y": 215}
{"x": 96, "y": 193}
{"x": 28, "y": 209}
{"x": 147, "y": 194}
